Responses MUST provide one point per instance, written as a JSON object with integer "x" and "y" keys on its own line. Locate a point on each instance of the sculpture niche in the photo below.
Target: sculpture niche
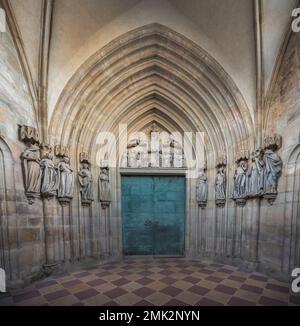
{"x": 202, "y": 189}
{"x": 220, "y": 183}
{"x": 86, "y": 184}
{"x": 32, "y": 173}
{"x": 104, "y": 187}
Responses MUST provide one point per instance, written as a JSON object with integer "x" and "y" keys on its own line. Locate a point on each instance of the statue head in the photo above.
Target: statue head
{"x": 66, "y": 159}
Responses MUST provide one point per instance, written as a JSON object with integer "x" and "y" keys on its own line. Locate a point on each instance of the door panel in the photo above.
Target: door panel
{"x": 153, "y": 215}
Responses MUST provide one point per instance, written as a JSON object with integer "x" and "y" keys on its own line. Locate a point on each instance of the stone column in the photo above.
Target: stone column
{"x": 220, "y": 234}
{"x": 202, "y": 231}
{"x": 67, "y": 238}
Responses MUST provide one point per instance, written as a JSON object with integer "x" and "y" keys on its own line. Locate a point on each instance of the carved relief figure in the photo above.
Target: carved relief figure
{"x": 86, "y": 182}
{"x": 32, "y": 171}
{"x": 104, "y": 187}
{"x": 255, "y": 174}
{"x": 49, "y": 176}
{"x": 202, "y": 189}
{"x": 239, "y": 180}
{"x": 220, "y": 185}
{"x": 66, "y": 179}
{"x": 272, "y": 172}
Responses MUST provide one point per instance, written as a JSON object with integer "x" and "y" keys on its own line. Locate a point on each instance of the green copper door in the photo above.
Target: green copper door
{"x": 153, "y": 214}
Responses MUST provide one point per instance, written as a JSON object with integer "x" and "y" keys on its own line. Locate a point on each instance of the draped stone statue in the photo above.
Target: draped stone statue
{"x": 272, "y": 172}
{"x": 239, "y": 180}
{"x": 202, "y": 189}
{"x": 86, "y": 182}
{"x": 255, "y": 174}
{"x": 49, "y": 176}
{"x": 220, "y": 186}
{"x": 32, "y": 171}
{"x": 66, "y": 180}
{"x": 104, "y": 187}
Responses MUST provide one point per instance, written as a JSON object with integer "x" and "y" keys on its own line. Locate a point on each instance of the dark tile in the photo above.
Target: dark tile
{"x": 171, "y": 291}
{"x": 126, "y": 273}
{"x": 265, "y": 301}
{"x": 186, "y": 271}
{"x": 278, "y": 288}
{"x": 82, "y": 274}
{"x": 234, "y": 301}
{"x": 26, "y": 296}
{"x": 143, "y": 303}
{"x": 168, "y": 280}
{"x": 114, "y": 293}
{"x": 166, "y": 272}
{"x": 174, "y": 302}
{"x": 71, "y": 283}
{"x": 216, "y": 265}
{"x": 252, "y": 288}
{"x": 214, "y": 279}
{"x": 237, "y": 278}
{"x": 111, "y": 304}
{"x": 206, "y": 271}
{"x": 208, "y": 302}
{"x": 78, "y": 304}
{"x": 121, "y": 281}
{"x": 199, "y": 290}
{"x": 258, "y": 278}
{"x": 95, "y": 282}
{"x": 44, "y": 284}
{"x": 102, "y": 274}
{"x": 191, "y": 279}
{"x": 225, "y": 289}
{"x": 82, "y": 295}
{"x": 144, "y": 281}
{"x": 56, "y": 295}
{"x": 226, "y": 271}
{"x": 143, "y": 292}
{"x": 145, "y": 273}
{"x": 60, "y": 275}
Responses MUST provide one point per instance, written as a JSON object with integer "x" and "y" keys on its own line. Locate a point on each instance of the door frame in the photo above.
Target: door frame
{"x": 157, "y": 172}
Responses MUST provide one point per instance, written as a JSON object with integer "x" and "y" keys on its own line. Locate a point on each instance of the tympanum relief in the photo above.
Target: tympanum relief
{"x": 153, "y": 148}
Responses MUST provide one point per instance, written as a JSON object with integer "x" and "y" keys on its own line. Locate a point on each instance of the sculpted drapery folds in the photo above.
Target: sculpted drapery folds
{"x": 272, "y": 171}
{"x": 202, "y": 189}
{"x": 50, "y": 180}
{"x": 32, "y": 171}
{"x": 255, "y": 174}
{"x": 86, "y": 182}
{"x": 240, "y": 178}
{"x": 220, "y": 186}
{"x": 104, "y": 187}
{"x": 66, "y": 180}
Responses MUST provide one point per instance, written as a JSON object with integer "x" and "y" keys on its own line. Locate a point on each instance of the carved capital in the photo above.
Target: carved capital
{"x": 29, "y": 134}
{"x": 220, "y": 202}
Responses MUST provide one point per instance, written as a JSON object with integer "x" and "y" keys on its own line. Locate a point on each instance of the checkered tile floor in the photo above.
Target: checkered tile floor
{"x": 167, "y": 282}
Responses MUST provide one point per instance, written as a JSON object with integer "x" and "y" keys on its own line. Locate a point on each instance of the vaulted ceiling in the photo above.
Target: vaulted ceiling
{"x": 225, "y": 29}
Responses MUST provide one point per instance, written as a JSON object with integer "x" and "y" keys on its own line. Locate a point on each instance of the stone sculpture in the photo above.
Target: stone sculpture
{"x": 202, "y": 189}
{"x": 239, "y": 180}
{"x": 255, "y": 174}
{"x": 32, "y": 172}
{"x": 104, "y": 187}
{"x": 50, "y": 180}
{"x": 220, "y": 186}
{"x": 66, "y": 180}
{"x": 86, "y": 182}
